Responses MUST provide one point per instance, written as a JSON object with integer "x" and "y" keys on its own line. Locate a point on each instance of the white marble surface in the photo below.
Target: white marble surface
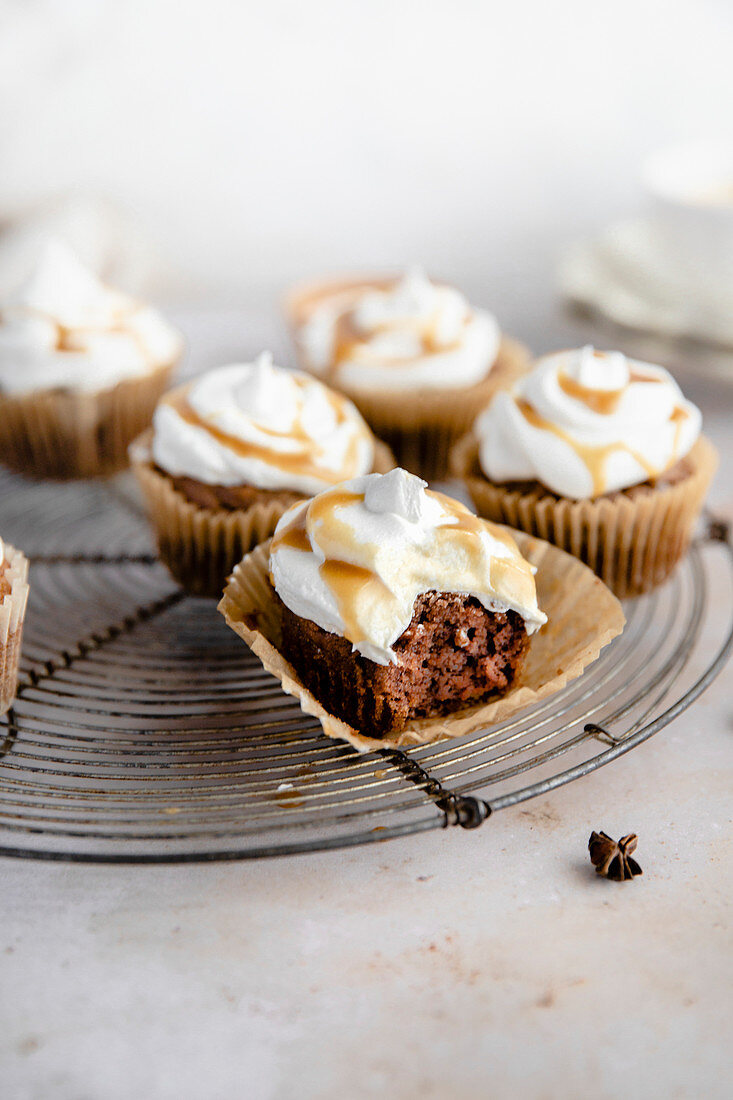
{"x": 494, "y": 961}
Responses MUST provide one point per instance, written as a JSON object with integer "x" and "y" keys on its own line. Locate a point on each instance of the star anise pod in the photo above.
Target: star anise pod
{"x": 613, "y": 860}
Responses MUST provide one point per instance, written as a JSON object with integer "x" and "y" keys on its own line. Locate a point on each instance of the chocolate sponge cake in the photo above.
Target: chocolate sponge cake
{"x": 454, "y": 653}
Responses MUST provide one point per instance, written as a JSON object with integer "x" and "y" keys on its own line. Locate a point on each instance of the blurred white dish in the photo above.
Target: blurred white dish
{"x": 626, "y": 275}
{"x": 103, "y": 234}
{"x": 690, "y": 197}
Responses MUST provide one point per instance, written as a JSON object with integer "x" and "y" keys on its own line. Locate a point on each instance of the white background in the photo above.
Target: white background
{"x": 262, "y": 142}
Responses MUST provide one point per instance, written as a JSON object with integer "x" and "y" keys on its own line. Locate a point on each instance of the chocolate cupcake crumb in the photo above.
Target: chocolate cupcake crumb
{"x": 453, "y": 654}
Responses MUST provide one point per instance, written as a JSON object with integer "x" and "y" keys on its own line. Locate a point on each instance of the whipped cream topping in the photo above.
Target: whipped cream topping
{"x": 66, "y": 329}
{"x": 409, "y": 333}
{"x": 257, "y": 424}
{"x": 355, "y": 558}
{"x": 585, "y": 423}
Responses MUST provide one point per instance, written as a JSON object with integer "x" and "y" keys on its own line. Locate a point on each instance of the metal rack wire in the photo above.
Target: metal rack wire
{"x": 144, "y": 731}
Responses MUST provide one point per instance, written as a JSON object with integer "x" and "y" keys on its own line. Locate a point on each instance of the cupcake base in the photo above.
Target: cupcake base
{"x": 583, "y": 616}
{"x": 422, "y": 426}
{"x": 64, "y": 434}
{"x": 632, "y": 539}
{"x": 12, "y": 614}
{"x": 200, "y": 546}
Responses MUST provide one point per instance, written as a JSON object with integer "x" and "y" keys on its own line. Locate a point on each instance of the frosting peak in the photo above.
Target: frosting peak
{"x": 269, "y": 395}
{"x": 63, "y": 289}
{"x": 413, "y": 303}
{"x": 598, "y": 370}
{"x": 398, "y": 493}
{"x": 355, "y": 558}
{"x": 65, "y": 328}
{"x": 410, "y": 332}
{"x": 585, "y": 423}
{"x": 257, "y": 424}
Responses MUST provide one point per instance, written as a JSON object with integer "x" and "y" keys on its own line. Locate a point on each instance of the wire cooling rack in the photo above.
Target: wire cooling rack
{"x": 145, "y": 731}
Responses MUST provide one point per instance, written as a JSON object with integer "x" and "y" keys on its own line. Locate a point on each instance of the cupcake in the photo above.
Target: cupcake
{"x": 13, "y": 599}
{"x": 230, "y": 452}
{"x": 601, "y": 455}
{"x": 81, "y": 369}
{"x": 412, "y": 355}
{"x": 397, "y": 618}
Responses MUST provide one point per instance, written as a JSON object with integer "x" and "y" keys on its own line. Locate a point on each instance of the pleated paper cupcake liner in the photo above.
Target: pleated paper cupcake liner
{"x": 421, "y": 427}
{"x": 12, "y": 615}
{"x": 583, "y": 617}
{"x": 633, "y": 540}
{"x": 201, "y": 546}
{"x": 67, "y": 434}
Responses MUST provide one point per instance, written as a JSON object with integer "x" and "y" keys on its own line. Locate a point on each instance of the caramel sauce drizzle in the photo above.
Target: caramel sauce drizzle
{"x": 511, "y": 578}
{"x": 302, "y": 461}
{"x": 353, "y": 586}
{"x": 294, "y": 536}
{"x": 356, "y": 587}
{"x": 347, "y": 338}
{"x": 604, "y": 402}
{"x": 678, "y": 417}
{"x": 67, "y": 339}
{"x": 596, "y": 456}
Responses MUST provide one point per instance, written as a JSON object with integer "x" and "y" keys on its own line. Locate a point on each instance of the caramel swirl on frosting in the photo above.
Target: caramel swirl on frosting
{"x": 355, "y": 558}
{"x": 256, "y": 424}
{"x": 410, "y": 332}
{"x": 584, "y": 423}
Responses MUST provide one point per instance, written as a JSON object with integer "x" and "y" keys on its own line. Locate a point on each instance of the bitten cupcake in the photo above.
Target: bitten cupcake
{"x": 13, "y": 599}
{"x": 230, "y": 452}
{"x": 81, "y": 369}
{"x": 413, "y": 355}
{"x": 601, "y": 455}
{"x": 397, "y": 603}
{"x": 397, "y": 618}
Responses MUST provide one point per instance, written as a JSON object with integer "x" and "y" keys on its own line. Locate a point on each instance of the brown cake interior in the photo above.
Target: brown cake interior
{"x": 453, "y": 654}
{"x": 229, "y": 497}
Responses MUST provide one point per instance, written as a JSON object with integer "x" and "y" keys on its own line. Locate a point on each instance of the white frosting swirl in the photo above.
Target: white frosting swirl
{"x": 412, "y": 333}
{"x": 65, "y": 329}
{"x": 585, "y": 423}
{"x": 355, "y": 558}
{"x": 257, "y": 424}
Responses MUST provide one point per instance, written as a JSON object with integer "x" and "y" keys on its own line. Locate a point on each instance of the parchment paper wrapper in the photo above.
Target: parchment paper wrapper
{"x": 583, "y": 616}
{"x": 67, "y": 434}
{"x": 201, "y": 546}
{"x": 12, "y": 614}
{"x": 633, "y": 540}
{"x": 420, "y": 425}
